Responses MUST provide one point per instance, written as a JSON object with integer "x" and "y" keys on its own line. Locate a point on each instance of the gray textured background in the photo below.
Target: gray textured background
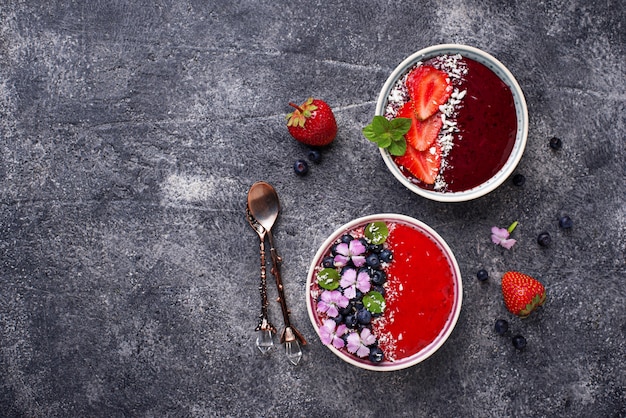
{"x": 132, "y": 130}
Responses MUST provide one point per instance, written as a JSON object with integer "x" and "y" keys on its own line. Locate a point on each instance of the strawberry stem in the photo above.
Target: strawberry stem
{"x": 297, "y": 107}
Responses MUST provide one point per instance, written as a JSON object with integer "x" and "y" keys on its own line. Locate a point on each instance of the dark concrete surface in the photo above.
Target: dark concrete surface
{"x": 132, "y": 130}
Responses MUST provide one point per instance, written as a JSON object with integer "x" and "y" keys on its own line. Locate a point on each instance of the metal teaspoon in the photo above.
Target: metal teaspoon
{"x": 264, "y": 205}
{"x": 265, "y": 330}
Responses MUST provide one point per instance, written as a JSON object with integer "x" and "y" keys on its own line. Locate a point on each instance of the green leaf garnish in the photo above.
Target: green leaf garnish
{"x": 388, "y": 134}
{"x": 328, "y": 278}
{"x": 377, "y": 232}
{"x": 374, "y": 302}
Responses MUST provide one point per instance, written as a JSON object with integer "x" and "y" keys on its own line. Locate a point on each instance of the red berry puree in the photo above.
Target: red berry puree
{"x": 487, "y": 126}
{"x": 420, "y": 293}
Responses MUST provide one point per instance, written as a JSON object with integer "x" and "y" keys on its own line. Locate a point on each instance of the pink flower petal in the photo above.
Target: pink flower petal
{"x": 341, "y": 260}
{"x": 343, "y": 249}
{"x": 356, "y": 247}
{"x": 508, "y": 243}
{"x": 358, "y": 260}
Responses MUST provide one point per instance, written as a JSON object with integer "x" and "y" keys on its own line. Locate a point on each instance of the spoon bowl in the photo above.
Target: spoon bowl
{"x": 264, "y": 204}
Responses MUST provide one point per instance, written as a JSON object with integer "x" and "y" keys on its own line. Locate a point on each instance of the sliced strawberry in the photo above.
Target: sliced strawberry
{"x": 422, "y": 133}
{"x": 422, "y": 164}
{"x": 428, "y": 88}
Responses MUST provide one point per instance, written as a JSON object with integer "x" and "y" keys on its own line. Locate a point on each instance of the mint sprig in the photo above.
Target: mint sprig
{"x": 388, "y": 134}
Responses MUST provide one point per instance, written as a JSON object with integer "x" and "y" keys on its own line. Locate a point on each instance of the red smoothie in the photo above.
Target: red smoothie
{"x": 420, "y": 293}
{"x": 486, "y": 125}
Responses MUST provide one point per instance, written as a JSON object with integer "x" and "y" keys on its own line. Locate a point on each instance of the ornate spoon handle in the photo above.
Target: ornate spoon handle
{"x": 290, "y": 335}
{"x": 265, "y": 330}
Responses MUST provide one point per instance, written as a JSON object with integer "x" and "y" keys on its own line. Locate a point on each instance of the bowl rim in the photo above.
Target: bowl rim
{"x": 431, "y": 348}
{"x": 521, "y": 113}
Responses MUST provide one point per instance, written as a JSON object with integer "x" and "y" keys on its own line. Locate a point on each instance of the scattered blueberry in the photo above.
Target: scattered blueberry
{"x": 386, "y": 255}
{"x": 301, "y": 167}
{"x": 376, "y": 355}
{"x": 556, "y": 143}
{"x": 566, "y": 222}
{"x": 501, "y": 326}
{"x": 519, "y": 342}
{"x": 519, "y": 179}
{"x": 380, "y": 289}
{"x": 328, "y": 262}
{"x": 363, "y": 316}
{"x": 372, "y": 260}
{"x": 482, "y": 275}
{"x": 544, "y": 239}
{"x": 314, "y": 156}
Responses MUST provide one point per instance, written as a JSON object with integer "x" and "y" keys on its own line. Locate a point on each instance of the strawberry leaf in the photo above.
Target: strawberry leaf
{"x": 388, "y": 134}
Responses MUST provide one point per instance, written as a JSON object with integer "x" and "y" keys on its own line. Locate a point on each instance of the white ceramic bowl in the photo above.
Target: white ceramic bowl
{"x": 451, "y": 317}
{"x": 520, "y": 109}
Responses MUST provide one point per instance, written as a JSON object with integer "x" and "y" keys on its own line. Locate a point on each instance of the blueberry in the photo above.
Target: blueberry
{"x": 566, "y": 222}
{"x": 501, "y": 326}
{"x": 375, "y": 248}
{"x": 328, "y": 262}
{"x": 364, "y": 242}
{"x": 346, "y": 311}
{"x": 351, "y": 321}
{"x": 346, "y": 238}
{"x": 314, "y": 156}
{"x": 386, "y": 255}
{"x": 363, "y": 316}
{"x": 544, "y": 239}
{"x": 379, "y": 289}
{"x": 519, "y": 342}
{"x": 519, "y": 179}
{"x": 301, "y": 167}
{"x": 555, "y": 143}
{"x": 482, "y": 275}
{"x": 376, "y": 355}
{"x": 333, "y": 249}
{"x": 358, "y": 304}
{"x": 372, "y": 260}
{"x": 379, "y": 277}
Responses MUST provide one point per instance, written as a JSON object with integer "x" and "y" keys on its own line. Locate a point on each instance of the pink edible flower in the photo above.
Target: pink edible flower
{"x": 357, "y": 343}
{"x": 353, "y": 251}
{"x": 351, "y": 281}
{"x": 500, "y": 236}
{"x": 330, "y": 302}
{"x": 331, "y": 333}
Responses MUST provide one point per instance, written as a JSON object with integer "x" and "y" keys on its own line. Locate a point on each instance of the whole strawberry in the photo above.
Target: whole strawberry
{"x": 522, "y": 293}
{"x": 312, "y": 123}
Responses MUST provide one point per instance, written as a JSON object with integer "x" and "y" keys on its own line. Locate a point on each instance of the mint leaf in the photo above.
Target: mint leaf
{"x": 401, "y": 125}
{"x": 388, "y": 134}
{"x": 374, "y": 302}
{"x": 328, "y": 278}
{"x": 397, "y": 148}
{"x": 376, "y": 232}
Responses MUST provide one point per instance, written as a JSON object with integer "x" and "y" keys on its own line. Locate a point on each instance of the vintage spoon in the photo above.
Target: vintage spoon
{"x": 264, "y": 206}
{"x": 265, "y": 330}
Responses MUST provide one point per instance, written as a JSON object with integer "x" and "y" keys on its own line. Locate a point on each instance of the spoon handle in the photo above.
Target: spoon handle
{"x": 265, "y": 330}
{"x": 263, "y": 318}
{"x": 290, "y": 333}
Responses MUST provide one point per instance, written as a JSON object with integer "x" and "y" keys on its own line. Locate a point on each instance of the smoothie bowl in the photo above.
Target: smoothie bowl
{"x": 384, "y": 292}
{"x": 469, "y": 122}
